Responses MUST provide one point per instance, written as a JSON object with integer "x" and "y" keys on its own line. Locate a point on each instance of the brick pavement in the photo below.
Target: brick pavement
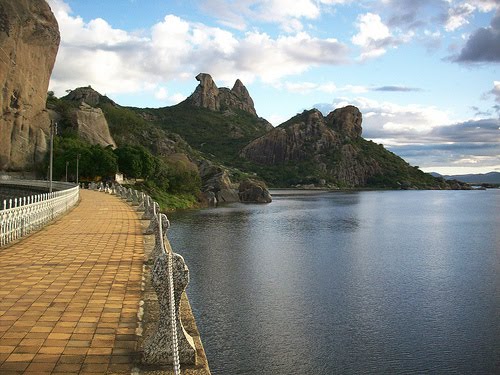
{"x": 69, "y": 293}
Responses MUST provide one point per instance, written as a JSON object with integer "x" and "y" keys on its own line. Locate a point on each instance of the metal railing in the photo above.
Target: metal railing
{"x": 21, "y": 216}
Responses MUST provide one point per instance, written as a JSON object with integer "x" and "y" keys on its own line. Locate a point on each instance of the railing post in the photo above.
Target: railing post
{"x": 169, "y": 343}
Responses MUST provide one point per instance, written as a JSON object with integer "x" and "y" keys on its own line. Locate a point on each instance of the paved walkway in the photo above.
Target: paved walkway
{"x": 69, "y": 294}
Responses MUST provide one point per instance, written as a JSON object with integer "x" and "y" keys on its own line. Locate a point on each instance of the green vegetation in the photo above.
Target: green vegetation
{"x": 156, "y": 146}
{"x": 167, "y": 180}
{"x": 397, "y": 173}
{"x": 219, "y": 136}
{"x": 95, "y": 162}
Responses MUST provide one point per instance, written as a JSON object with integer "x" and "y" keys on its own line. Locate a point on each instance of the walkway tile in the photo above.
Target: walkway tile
{"x": 70, "y": 292}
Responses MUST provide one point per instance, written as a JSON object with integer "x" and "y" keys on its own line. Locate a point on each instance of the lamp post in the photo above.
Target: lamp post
{"x": 77, "y": 160}
{"x": 53, "y": 129}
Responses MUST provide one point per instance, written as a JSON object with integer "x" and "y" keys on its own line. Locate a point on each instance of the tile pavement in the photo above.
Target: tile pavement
{"x": 69, "y": 293}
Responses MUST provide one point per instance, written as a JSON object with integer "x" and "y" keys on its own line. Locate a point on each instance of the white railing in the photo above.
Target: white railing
{"x": 21, "y": 216}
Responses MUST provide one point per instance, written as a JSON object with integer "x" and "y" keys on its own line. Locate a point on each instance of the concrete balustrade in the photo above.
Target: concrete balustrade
{"x": 21, "y": 216}
{"x": 160, "y": 347}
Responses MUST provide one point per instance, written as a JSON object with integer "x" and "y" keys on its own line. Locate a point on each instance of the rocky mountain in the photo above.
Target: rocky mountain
{"x": 227, "y": 143}
{"x": 29, "y": 40}
{"x": 216, "y": 122}
{"x": 311, "y": 149}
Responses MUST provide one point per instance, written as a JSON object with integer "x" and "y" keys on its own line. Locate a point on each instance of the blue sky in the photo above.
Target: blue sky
{"x": 423, "y": 73}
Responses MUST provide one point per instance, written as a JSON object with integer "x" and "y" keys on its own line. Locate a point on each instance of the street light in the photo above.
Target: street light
{"x": 77, "y": 160}
{"x": 53, "y": 129}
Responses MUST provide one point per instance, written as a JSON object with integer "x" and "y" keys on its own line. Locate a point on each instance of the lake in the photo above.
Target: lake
{"x": 347, "y": 283}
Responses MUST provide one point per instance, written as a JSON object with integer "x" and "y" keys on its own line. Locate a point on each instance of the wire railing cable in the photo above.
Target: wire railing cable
{"x": 175, "y": 343}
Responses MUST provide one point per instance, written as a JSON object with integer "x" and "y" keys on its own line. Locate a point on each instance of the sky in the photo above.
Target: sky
{"x": 425, "y": 74}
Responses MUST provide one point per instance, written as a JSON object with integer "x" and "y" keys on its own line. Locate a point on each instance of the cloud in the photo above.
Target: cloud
{"x": 496, "y": 91}
{"x": 163, "y": 95}
{"x": 397, "y": 89}
{"x": 426, "y": 135}
{"x": 374, "y": 37}
{"x": 286, "y": 13}
{"x": 432, "y": 15}
{"x": 411, "y": 14}
{"x": 445, "y": 156}
{"x": 483, "y": 45}
{"x": 458, "y": 16}
{"x": 116, "y": 61}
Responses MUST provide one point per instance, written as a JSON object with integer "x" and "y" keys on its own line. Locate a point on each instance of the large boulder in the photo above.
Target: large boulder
{"x": 216, "y": 184}
{"x": 253, "y": 191}
{"x": 29, "y": 40}
{"x": 92, "y": 126}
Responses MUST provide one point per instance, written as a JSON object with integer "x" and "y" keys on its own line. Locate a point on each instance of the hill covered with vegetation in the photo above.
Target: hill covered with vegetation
{"x": 214, "y": 139}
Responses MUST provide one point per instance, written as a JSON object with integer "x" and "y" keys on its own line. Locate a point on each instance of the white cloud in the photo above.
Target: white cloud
{"x": 485, "y": 5}
{"x": 307, "y": 87}
{"x": 163, "y": 95}
{"x": 428, "y": 136}
{"x": 373, "y": 36}
{"x": 459, "y": 16}
{"x": 116, "y": 61}
{"x": 286, "y": 13}
{"x": 496, "y": 91}
{"x": 371, "y": 29}
{"x": 396, "y": 123}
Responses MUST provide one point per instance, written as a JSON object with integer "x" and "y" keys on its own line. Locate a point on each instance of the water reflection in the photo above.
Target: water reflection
{"x": 370, "y": 282}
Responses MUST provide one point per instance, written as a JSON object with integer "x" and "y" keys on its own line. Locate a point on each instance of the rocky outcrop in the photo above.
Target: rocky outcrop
{"x": 87, "y": 95}
{"x": 216, "y": 184}
{"x": 29, "y": 40}
{"x": 92, "y": 126}
{"x": 87, "y": 119}
{"x": 208, "y": 95}
{"x": 346, "y": 121}
{"x": 217, "y": 187}
{"x": 237, "y": 98}
{"x": 327, "y": 143}
{"x": 296, "y": 140}
{"x": 253, "y": 191}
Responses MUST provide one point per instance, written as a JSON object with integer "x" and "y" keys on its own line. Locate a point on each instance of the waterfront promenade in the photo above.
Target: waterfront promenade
{"x": 69, "y": 294}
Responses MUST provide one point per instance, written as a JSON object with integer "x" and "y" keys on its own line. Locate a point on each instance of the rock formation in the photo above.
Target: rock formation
{"x": 88, "y": 120}
{"x": 92, "y": 126}
{"x": 328, "y": 143}
{"x": 218, "y": 188}
{"x": 237, "y": 98}
{"x": 29, "y": 40}
{"x": 208, "y": 95}
{"x": 217, "y": 185}
{"x": 252, "y": 191}
{"x": 295, "y": 140}
{"x": 87, "y": 95}
{"x": 346, "y": 121}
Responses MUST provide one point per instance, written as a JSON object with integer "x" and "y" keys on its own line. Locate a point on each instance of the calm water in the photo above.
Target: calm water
{"x": 347, "y": 283}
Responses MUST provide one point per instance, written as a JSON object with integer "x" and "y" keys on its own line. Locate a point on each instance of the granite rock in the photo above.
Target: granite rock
{"x": 29, "y": 40}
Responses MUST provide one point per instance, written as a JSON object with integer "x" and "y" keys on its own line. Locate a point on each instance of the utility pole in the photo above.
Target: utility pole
{"x": 77, "y": 160}
{"x": 53, "y": 127}
{"x": 67, "y": 171}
